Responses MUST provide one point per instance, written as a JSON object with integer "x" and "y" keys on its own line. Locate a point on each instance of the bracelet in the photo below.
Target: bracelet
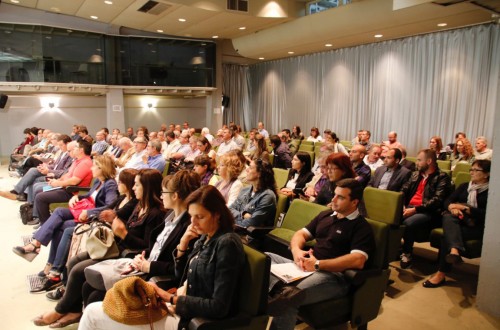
{"x": 179, "y": 249}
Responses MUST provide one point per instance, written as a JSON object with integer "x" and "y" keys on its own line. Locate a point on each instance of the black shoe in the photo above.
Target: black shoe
{"x": 453, "y": 259}
{"x": 13, "y": 192}
{"x": 288, "y": 296}
{"x": 47, "y": 285}
{"x": 56, "y": 294}
{"x": 428, "y": 284}
{"x": 33, "y": 222}
{"x": 22, "y": 197}
{"x": 406, "y": 260}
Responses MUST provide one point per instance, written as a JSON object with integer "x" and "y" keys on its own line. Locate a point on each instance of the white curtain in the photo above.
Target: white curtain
{"x": 236, "y": 87}
{"x": 434, "y": 84}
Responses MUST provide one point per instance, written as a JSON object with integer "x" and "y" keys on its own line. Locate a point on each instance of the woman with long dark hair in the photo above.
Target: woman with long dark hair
{"x": 299, "y": 175}
{"x": 256, "y": 204}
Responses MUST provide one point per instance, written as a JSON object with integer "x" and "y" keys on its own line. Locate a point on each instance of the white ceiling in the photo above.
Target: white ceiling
{"x": 274, "y": 37}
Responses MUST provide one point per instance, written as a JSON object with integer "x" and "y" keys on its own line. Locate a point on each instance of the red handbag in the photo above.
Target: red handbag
{"x": 80, "y": 206}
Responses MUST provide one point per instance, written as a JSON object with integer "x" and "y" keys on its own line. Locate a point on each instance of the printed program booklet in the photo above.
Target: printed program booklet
{"x": 288, "y": 272}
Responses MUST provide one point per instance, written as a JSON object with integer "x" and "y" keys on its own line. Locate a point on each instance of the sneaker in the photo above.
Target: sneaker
{"x": 22, "y": 197}
{"x": 47, "y": 285}
{"x": 405, "y": 260}
{"x": 56, "y": 294}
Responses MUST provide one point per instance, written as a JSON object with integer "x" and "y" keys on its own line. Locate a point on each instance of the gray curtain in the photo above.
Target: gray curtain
{"x": 236, "y": 85}
{"x": 434, "y": 84}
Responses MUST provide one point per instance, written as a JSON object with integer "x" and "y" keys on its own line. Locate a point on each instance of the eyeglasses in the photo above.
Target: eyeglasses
{"x": 476, "y": 170}
{"x": 167, "y": 192}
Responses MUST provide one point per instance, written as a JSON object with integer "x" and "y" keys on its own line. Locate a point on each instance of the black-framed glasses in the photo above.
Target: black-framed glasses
{"x": 167, "y": 192}
{"x": 476, "y": 170}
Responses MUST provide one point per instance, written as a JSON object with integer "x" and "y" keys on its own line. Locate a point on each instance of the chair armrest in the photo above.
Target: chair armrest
{"x": 358, "y": 277}
{"x": 75, "y": 189}
{"x": 260, "y": 230}
{"x": 200, "y": 323}
{"x": 128, "y": 253}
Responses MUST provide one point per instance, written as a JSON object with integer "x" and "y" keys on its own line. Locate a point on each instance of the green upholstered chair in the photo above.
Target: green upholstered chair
{"x": 299, "y": 214}
{"x": 387, "y": 207}
{"x": 72, "y": 190}
{"x": 413, "y": 159}
{"x": 311, "y": 154}
{"x": 444, "y": 164}
{"x": 362, "y": 304}
{"x": 167, "y": 167}
{"x": 473, "y": 247}
{"x": 252, "y": 297}
{"x": 346, "y": 143}
{"x": 281, "y": 177}
{"x": 306, "y": 147}
{"x": 317, "y": 151}
{"x": 460, "y": 167}
{"x": 271, "y": 159}
{"x": 461, "y": 177}
{"x": 305, "y": 142}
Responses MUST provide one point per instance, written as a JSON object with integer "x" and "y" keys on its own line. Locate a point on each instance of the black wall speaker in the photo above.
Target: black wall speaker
{"x": 225, "y": 101}
{"x": 3, "y": 100}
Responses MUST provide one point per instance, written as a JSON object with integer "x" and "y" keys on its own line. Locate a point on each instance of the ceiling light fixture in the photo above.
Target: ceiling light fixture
{"x": 94, "y": 17}
{"x": 51, "y": 105}
{"x": 160, "y": 31}
{"x": 442, "y": 24}
{"x": 108, "y": 2}
{"x": 291, "y": 53}
{"x": 261, "y": 58}
{"x": 14, "y": 1}
{"x": 242, "y": 28}
{"x": 328, "y": 45}
{"x": 182, "y": 19}
{"x": 378, "y": 35}
{"x": 215, "y": 37}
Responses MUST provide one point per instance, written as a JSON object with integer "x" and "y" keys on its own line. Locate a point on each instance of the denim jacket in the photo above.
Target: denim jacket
{"x": 261, "y": 207}
{"x": 212, "y": 271}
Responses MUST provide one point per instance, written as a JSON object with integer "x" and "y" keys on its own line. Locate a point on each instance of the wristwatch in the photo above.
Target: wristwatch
{"x": 316, "y": 265}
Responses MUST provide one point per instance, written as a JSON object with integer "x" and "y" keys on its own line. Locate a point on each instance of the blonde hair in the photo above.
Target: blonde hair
{"x": 107, "y": 166}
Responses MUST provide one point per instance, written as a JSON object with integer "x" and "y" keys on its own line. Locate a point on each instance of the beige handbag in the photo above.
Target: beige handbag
{"x": 101, "y": 242}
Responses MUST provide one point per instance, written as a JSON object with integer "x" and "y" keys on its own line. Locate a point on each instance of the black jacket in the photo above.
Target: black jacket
{"x": 436, "y": 191}
{"x": 212, "y": 271}
{"x": 460, "y": 196}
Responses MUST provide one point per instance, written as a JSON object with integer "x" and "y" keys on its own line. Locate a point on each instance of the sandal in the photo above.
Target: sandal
{"x": 40, "y": 322}
{"x": 28, "y": 255}
{"x": 62, "y": 322}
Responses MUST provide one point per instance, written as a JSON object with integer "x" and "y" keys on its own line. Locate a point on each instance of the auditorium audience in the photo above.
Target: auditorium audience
{"x": 260, "y": 149}
{"x": 315, "y": 136}
{"x": 204, "y": 167}
{"x": 282, "y": 154}
{"x": 363, "y": 171}
{"x": 482, "y": 151}
{"x": 462, "y": 152}
{"x": 436, "y": 144}
{"x": 391, "y": 175}
{"x": 373, "y": 159}
{"x": 230, "y": 167}
{"x": 338, "y": 167}
{"x": 297, "y": 133}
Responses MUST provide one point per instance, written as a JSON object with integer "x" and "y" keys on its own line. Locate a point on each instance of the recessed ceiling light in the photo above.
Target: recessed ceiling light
{"x": 161, "y": 31}
{"x": 242, "y": 28}
{"x": 261, "y": 58}
{"x": 442, "y": 24}
{"x": 94, "y": 17}
{"x": 215, "y": 37}
{"x": 378, "y": 35}
{"x": 182, "y": 19}
{"x": 291, "y": 53}
{"x": 108, "y": 2}
{"x": 328, "y": 45}
{"x": 55, "y": 9}
{"x": 14, "y": 1}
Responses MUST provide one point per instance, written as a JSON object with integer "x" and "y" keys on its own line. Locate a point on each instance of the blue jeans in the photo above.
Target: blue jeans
{"x": 59, "y": 254}
{"x": 412, "y": 222}
{"x": 319, "y": 286}
{"x": 27, "y": 180}
{"x": 53, "y": 228}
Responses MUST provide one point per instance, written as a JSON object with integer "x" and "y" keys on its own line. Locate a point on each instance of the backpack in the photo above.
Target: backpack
{"x": 26, "y": 212}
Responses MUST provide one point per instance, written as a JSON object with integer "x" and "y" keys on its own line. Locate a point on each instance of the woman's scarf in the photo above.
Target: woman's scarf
{"x": 473, "y": 190}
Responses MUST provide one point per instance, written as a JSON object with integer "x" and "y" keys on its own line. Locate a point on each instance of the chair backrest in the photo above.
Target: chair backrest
{"x": 461, "y": 167}
{"x": 300, "y": 213}
{"x": 281, "y": 177}
{"x": 167, "y": 167}
{"x": 307, "y": 142}
{"x": 254, "y": 283}
{"x": 346, "y": 143}
{"x": 383, "y": 205}
{"x": 444, "y": 164}
{"x": 462, "y": 177}
{"x": 381, "y": 235}
{"x": 311, "y": 155}
{"x": 306, "y": 147}
{"x": 413, "y": 159}
{"x": 281, "y": 202}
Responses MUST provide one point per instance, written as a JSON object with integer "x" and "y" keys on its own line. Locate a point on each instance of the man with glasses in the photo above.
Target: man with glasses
{"x": 424, "y": 196}
{"x": 135, "y": 161}
{"x": 153, "y": 158}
